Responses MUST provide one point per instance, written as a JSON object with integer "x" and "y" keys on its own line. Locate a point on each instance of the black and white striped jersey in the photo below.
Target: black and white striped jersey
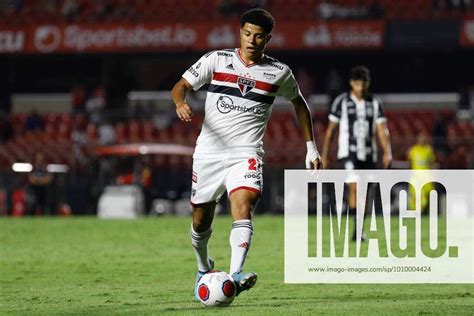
{"x": 357, "y": 126}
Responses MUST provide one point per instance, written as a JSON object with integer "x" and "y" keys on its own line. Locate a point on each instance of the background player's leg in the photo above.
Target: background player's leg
{"x": 242, "y": 204}
{"x": 353, "y": 206}
{"x": 201, "y": 231}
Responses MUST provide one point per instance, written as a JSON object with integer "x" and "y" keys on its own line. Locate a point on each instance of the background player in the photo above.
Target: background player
{"x": 243, "y": 84}
{"x": 421, "y": 157}
{"x": 358, "y": 116}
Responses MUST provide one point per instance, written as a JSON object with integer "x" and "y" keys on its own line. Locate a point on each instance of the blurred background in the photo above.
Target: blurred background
{"x": 87, "y": 125}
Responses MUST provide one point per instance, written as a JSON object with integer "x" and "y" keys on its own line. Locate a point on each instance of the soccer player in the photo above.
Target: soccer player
{"x": 421, "y": 157}
{"x": 358, "y": 115}
{"x": 243, "y": 84}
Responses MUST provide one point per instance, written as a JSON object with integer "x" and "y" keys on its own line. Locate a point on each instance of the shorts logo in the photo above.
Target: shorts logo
{"x": 195, "y": 177}
{"x": 253, "y": 175}
{"x": 245, "y": 85}
{"x": 198, "y": 65}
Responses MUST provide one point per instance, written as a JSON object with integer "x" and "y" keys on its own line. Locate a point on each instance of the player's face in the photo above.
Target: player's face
{"x": 359, "y": 87}
{"x": 422, "y": 139}
{"x": 253, "y": 40}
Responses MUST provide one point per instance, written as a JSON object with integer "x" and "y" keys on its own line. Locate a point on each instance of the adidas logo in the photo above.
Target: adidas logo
{"x": 244, "y": 245}
{"x": 229, "y": 66}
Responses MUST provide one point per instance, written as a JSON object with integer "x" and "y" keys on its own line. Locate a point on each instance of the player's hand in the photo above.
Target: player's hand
{"x": 313, "y": 157}
{"x": 318, "y": 164}
{"x": 184, "y": 111}
{"x": 387, "y": 161}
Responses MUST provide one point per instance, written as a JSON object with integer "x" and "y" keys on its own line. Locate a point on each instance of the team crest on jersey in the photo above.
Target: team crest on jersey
{"x": 245, "y": 85}
{"x": 369, "y": 110}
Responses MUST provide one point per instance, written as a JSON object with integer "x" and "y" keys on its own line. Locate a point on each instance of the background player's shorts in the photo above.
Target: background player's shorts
{"x": 212, "y": 177}
{"x": 351, "y": 164}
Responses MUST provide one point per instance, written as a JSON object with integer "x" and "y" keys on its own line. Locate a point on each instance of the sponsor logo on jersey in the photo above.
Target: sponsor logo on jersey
{"x": 195, "y": 177}
{"x": 198, "y": 65}
{"x": 269, "y": 76}
{"x": 258, "y": 183}
{"x": 245, "y": 85}
{"x": 276, "y": 66}
{"x": 226, "y": 104}
{"x": 224, "y": 54}
{"x": 193, "y": 72}
{"x": 230, "y": 66}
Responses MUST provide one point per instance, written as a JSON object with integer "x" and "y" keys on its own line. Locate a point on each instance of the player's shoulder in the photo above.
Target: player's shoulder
{"x": 373, "y": 98}
{"x": 275, "y": 63}
{"x": 341, "y": 97}
{"x": 227, "y": 52}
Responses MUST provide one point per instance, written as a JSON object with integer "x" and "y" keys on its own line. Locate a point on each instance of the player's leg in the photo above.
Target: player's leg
{"x": 361, "y": 165}
{"x": 353, "y": 206}
{"x": 244, "y": 184}
{"x": 207, "y": 187}
{"x": 242, "y": 203}
{"x": 349, "y": 164}
{"x": 201, "y": 231}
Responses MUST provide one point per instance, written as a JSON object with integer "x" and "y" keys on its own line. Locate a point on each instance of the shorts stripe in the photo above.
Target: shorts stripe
{"x": 245, "y": 188}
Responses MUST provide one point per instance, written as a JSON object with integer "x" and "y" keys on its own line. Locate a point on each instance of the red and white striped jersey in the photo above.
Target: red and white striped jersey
{"x": 239, "y": 100}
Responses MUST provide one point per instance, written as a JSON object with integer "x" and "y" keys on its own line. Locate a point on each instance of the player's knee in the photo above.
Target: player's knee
{"x": 241, "y": 211}
{"x": 201, "y": 221}
{"x": 201, "y": 225}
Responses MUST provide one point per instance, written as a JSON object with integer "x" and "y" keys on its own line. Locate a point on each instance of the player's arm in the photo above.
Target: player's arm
{"x": 178, "y": 94}
{"x": 193, "y": 78}
{"x": 330, "y": 132}
{"x": 334, "y": 117}
{"x": 306, "y": 124}
{"x": 384, "y": 138}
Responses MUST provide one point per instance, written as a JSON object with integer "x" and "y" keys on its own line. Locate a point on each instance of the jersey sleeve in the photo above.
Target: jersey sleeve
{"x": 335, "y": 113}
{"x": 289, "y": 88}
{"x": 201, "y": 72}
{"x": 380, "y": 116}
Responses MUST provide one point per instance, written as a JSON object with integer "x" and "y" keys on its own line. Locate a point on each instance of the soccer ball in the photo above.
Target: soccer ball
{"x": 216, "y": 289}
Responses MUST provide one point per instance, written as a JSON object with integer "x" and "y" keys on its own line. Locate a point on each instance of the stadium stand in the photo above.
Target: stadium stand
{"x": 20, "y": 12}
{"x": 56, "y": 139}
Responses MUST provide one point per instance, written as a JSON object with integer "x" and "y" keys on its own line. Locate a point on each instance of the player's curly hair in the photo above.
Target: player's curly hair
{"x": 360, "y": 73}
{"x": 260, "y": 17}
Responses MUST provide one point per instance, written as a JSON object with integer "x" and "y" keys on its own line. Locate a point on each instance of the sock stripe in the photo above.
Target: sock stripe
{"x": 200, "y": 236}
{"x": 242, "y": 226}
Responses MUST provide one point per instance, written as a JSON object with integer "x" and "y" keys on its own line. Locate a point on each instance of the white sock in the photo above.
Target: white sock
{"x": 199, "y": 242}
{"x": 240, "y": 239}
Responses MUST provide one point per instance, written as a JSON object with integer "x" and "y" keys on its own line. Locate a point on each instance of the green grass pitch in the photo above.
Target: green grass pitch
{"x": 147, "y": 267}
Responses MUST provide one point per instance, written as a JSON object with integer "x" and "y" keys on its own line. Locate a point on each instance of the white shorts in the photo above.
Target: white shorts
{"x": 213, "y": 176}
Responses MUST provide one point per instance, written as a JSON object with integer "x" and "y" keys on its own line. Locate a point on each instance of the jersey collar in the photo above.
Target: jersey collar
{"x": 244, "y": 63}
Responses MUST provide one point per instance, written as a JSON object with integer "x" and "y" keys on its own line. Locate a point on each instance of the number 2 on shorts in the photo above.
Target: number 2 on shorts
{"x": 252, "y": 164}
